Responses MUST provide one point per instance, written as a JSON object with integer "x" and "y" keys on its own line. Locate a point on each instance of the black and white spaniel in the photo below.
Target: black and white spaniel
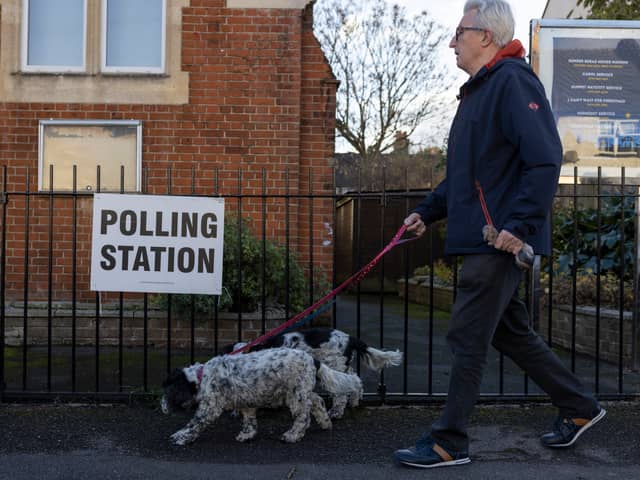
{"x": 267, "y": 378}
{"x": 334, "y": 348}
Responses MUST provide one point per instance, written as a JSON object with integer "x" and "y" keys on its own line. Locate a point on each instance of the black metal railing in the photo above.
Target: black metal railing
{"x": 59, "y": 340}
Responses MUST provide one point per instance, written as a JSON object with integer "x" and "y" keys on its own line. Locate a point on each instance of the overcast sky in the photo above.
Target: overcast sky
{"x": 448, "y": 14}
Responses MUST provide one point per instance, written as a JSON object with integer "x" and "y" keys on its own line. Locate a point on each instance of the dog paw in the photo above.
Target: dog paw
{"x": 290, "y": 437}
{"x": 336, "y": 413}
{"x": 325, "y": 425}
{"x": 180, "y": 438}
{"x": 246, "y": 436}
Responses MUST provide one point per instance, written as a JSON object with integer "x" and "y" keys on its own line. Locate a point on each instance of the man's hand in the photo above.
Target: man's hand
{"x": 522, "y": 252}
{"x": 415, "y": 224}
{"x": 508, "y": 242}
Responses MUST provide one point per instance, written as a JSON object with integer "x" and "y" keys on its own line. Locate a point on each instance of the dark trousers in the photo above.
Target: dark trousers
{"x": 487, "y": 312}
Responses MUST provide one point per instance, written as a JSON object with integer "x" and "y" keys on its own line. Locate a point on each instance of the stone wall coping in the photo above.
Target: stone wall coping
{"x": 130, "y": 310}
{"x": 591, "y": 310}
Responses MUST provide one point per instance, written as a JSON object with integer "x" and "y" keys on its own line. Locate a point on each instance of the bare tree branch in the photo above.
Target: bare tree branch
{"x": 390, "y": 75}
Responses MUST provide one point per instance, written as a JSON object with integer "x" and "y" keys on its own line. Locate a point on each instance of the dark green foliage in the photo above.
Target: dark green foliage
{"x": 585, "y": 243}
{"x": 612, "y": 9}
{"x": 243, "y": 273}
{"x": 245, "y": 283}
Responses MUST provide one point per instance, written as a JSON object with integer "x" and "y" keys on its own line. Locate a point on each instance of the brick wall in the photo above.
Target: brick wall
{"x": 608, "y": 326}
{"x": 260, "y": 119}
{"x": 208, "y": 334}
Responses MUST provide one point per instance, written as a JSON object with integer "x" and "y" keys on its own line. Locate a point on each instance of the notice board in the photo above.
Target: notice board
{"x": 590, "y": 71}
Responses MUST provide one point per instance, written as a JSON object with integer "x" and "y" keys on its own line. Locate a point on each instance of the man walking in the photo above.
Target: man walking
{"x": 503, "y": 158}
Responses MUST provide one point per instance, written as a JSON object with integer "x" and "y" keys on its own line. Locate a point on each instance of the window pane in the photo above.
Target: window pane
{"x": 134, "y": 33}
{"x": 87, "y": 145}
{"x": 56, "y": 33}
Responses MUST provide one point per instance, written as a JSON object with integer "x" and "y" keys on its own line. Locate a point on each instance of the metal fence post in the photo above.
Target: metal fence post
{"x": 536, "y": 292}
{"x": 3, "y": 227}
{"x": 635, "y": 335}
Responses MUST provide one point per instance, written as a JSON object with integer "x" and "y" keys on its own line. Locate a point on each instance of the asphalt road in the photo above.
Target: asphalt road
{"x": 61, "y": 441}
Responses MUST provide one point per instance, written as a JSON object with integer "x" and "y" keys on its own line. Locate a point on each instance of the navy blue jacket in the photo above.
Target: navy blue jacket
{"x": 503, "y": 135}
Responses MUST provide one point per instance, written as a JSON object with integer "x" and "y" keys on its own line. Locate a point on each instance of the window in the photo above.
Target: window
{"x": 113, "y": 145}
{"x": 133, "y": 36}
{"x": 54, "y": 35}
{"x": 93, "y": 76}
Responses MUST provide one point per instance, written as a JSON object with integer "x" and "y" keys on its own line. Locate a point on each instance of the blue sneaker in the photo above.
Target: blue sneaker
{"x": 428, "y": 454}
{"x": 567, "y": 430}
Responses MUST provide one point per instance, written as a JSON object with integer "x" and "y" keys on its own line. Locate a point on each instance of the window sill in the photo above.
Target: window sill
{"x": 30, "y": 73}
{"x": 87, "y": 74}
{"x": 134, "y": 74}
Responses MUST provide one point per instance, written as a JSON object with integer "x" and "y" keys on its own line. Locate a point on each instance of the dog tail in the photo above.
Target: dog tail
{"x": 337, "y": 383}
{"x": 373, "y": 358}
{"x": 378, "y": 359}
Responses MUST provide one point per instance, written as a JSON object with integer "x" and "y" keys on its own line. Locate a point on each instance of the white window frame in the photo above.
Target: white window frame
{"x": 50, "y": 68}
{"x": 142, "y": 70}
{"x": 43, "y": 163}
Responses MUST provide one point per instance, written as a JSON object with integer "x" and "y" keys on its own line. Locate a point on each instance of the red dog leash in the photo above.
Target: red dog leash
{"x": 357, "y": 277}
{"x": 483, "y": 204}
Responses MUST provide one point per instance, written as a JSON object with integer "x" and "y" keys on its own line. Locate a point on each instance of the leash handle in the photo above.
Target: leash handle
{"x": 525, "y": 257}
{"x": 355, "y": 278}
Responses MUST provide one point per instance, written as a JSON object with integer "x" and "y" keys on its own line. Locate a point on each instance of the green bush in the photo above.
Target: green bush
{"x": 442, "y": 273}
{"x": 578, "y": 230}
{"x": 242, "y": 276}
{"x": 586, "y": 290}
{"x": 585, "y": 242}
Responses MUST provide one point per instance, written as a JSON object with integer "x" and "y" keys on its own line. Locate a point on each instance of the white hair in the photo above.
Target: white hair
{"x": 495, "y": 16}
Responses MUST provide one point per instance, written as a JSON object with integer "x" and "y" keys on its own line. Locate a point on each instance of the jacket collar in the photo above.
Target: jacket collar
{"x": 513, "y": 49}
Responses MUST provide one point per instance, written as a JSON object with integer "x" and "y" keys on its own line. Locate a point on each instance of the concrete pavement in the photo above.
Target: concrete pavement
{"x": 62, "y": 441}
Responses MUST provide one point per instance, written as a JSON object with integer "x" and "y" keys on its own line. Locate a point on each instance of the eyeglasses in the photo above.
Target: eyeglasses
{"x": 461, "y": 30}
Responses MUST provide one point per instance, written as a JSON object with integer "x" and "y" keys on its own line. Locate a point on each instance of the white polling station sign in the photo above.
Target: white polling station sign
{"x": 157, "y": 244}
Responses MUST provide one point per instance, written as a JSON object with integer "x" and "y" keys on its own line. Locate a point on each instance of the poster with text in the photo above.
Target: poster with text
{"x": 596, "y": 78}
{"x": 157, "y": 244}
{"x": 596, "y": 100}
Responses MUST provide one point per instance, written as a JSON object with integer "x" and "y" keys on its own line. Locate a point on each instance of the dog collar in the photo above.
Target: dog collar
{"x": 199, "y": 374}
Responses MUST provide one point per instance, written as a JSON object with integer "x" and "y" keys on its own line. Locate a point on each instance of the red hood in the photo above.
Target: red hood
{"x": 513, "y": 49}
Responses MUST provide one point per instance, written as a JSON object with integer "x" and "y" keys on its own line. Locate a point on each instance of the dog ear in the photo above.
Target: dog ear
{"x": 178, "y": 390}
{"x": 227, "y": 349}
{"x": 173, "y": 377}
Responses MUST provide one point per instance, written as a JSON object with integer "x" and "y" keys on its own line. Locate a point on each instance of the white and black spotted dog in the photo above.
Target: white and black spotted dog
{"x": 267, "y": 378}
{"x": 334, "y": 348}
